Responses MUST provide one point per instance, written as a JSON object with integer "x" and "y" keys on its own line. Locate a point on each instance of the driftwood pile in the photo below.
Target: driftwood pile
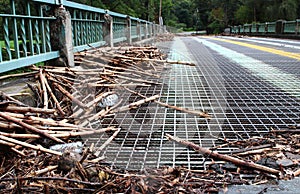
{"x": 69, "y": 104}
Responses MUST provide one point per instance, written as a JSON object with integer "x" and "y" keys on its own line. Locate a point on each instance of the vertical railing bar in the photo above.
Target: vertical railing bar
{"x": 42, "y": 29}
{"x": 48, "y": 40}
{"x": 6, "y": 38}
{"x": 31, "y": 46}
{"x": 91, "y": 29}
{"x": 15, "y": 30}
{"x": 79, "y": 31}
{"x": 100, "y": 28}
{"x": 23, "y": 35}
{"x": 37, "y": 36}
{"x": 87, "y": 27}
{"x": 1, "y": 59}
{"x": 84, "y": 29}
{"x": 93, "y": 26}
{"x": 75, "y": 35}
{"x": 73, "y": 29}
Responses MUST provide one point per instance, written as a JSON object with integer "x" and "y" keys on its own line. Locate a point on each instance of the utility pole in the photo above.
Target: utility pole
{"x": 159, "y": 16}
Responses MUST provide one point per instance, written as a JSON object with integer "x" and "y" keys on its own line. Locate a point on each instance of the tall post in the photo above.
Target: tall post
{"x": 61, "y": 37}
{"x": 159, "y": 15}
{"x": 108, "y": 30}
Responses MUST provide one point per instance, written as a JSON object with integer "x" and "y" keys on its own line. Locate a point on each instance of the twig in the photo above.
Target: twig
{"x": 296, "y": 173}
{"x": 65, "y": 92}
{"x": 7, "y": 97}
{"x": 44, "y": 90}
{"x": 134, "y": 104}
{"x": 47, "y": 169}
{"x": 18, "y": 75}
{"x": 24, "y": 144}
{"x": 194, "y": 112}
{"x": 27, "y": 109}
{"x": 52, "y": 179}
{"x": 53, "y": 96}
{"x": 107, "y": 142}
{"x": 223, "y": 157}
{"x": 29, "y": 127}
{"x": 240, "y": 151}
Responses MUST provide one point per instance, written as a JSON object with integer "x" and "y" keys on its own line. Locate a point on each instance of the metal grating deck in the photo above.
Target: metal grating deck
{"x": 241, "y": 105}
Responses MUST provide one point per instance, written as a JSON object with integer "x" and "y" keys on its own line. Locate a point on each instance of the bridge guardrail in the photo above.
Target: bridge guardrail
{"x": 34, "y": 31}
{"x": 280, "y": 27}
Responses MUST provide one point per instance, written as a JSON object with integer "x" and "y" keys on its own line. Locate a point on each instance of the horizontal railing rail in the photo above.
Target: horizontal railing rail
{"x": 35, "y": 31}
{"x": 280, "y": 27}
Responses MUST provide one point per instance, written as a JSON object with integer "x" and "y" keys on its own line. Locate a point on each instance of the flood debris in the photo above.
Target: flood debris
{"x": 42, "y": 147}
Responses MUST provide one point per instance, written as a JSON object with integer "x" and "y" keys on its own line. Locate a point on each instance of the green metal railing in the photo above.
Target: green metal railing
{"x": 279, "y": 27}
{"x": 25, "y": 32}
{"x": 25, "y": 36}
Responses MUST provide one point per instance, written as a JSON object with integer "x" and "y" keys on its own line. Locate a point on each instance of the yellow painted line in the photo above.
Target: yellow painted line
{"x": 262, "y": 48}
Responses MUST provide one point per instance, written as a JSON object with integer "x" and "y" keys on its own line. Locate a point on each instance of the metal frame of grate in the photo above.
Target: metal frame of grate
{"x": 241, "y": 104}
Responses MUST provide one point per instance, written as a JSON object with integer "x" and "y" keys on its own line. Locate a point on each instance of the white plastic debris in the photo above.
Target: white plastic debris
{"x": 109, "y": 100}
{"x": 74, "y": 147}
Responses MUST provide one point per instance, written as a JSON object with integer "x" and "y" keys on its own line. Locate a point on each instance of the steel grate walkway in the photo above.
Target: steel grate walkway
{"x": 241, "y": 105}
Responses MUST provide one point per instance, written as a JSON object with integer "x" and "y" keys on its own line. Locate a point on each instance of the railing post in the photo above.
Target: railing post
{"x": 128, "y": 30}
{"x": 146, "y": 30}
{"x": 139, "y": 30}
{"x": 61, "y": 37}
{"x": 279, "y": 26}
{"x": 150, "y": 30}
{"x": 108, "y": 30}
{"x": 297, "y": 26}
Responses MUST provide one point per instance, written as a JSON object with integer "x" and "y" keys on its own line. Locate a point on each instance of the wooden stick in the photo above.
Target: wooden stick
{"x": 58, "y": 135}
{"x": 134, "y": 105}
{"x": 7, "y": 143}
{"x": 100, "y": 114}
{"x": 107, "y": 142}
{"x": 24, "y": 144}
{"x": 65, "y": 92}
{"x": 118, "y": 85}
{"x": 7, "y": 97}
{"x": 53, "y": 96}
{"x": 44, "y": 90}
{"x": 194, "y": 112}
{"x": 155, "y": 60}
{"x": 296, "y": 173}
{"x": 45, "y": 170}
{"x": 227, "y": 158}
{"x": 18, "y": 75}
{"x": 27, "y": 109}
{"x": 29, "y": 127}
